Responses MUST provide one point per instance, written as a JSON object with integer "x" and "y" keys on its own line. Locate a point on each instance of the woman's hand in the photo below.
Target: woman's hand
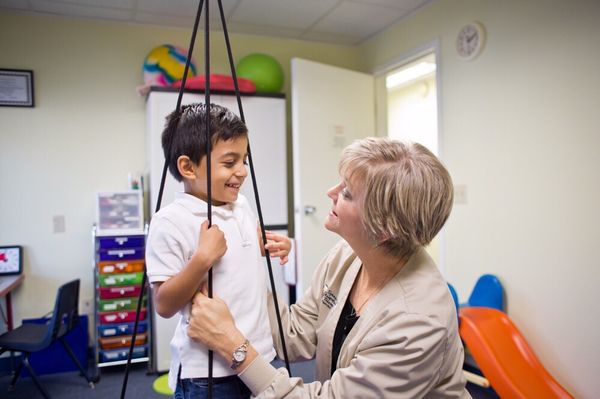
{"x": 211, "y": 323}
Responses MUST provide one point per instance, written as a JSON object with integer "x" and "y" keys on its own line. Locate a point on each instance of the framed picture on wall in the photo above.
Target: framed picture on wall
{"x": 16, "y": 88}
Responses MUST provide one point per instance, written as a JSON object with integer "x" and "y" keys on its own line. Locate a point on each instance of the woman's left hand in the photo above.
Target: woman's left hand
{"x": 212, "y": 324}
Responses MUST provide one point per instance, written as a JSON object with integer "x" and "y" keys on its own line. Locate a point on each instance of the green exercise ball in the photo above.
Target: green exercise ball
{"x": 263, "y": 70}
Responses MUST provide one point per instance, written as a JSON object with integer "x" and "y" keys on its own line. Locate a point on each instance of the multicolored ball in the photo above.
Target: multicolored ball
{"x": 165, "y": 64}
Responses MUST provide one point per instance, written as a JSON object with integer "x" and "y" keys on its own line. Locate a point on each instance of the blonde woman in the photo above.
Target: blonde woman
{"x": 378, "y": 316}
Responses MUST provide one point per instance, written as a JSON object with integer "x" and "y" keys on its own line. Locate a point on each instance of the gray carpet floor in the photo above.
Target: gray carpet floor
{"x": 139, "y": 384}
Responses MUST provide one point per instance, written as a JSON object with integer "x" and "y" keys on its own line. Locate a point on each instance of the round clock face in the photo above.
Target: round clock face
{"x": 470, "y": 39}
{"x": 10, "y": 260}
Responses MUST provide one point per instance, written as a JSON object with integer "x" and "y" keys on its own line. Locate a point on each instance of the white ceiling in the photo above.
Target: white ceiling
{"x": 346, "y": 22}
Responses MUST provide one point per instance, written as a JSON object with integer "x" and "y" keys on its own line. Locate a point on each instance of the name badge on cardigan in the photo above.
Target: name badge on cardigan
{"x": 328, "y": 299}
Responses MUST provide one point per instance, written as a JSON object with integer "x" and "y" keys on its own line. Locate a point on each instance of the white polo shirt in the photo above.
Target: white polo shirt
{"x": 239, "y": 277}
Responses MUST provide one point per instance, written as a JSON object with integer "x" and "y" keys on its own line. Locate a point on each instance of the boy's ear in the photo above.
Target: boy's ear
{"x": 186, "y": 167}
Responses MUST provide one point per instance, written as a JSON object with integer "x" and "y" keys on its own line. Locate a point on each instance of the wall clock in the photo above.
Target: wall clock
{"x": 470, "y": 40}
{"x": 11, "y": 260}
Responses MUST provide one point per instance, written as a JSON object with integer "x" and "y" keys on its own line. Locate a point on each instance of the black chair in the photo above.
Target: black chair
{"x": 29, "y": 338}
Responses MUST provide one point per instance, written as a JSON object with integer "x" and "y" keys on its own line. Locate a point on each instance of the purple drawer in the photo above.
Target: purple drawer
{"x": 121, "y": 254}
{"x": 119, "y": 242}
{"x": 112, "y": 355}
{"x": 110, "y": 330}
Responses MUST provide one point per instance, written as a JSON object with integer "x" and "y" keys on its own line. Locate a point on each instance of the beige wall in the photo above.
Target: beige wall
{"x": 520, "y": 130}
{"x": 87, "y": 131}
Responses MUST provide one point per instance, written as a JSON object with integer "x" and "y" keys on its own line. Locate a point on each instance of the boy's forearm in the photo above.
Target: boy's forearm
{"x": 178, "y": 291}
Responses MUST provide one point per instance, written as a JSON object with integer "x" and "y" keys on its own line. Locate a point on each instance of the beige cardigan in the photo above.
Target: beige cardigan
{"x": 404, "y": 345}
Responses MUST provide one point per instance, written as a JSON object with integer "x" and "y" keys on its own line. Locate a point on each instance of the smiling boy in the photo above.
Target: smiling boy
{"x": 181, "y": 248}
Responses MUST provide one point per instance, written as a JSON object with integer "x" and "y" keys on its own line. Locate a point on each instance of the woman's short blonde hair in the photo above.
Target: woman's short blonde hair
{"x": 408, "y": 193}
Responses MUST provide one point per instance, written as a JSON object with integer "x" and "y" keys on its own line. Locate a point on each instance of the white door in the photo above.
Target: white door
{"x": 331, "y": 107}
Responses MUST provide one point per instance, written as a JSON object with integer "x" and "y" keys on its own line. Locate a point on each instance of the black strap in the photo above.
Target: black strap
{"x": 158, "y": 201}
{"x": 208, "y": 168}
{"x": 255, "y": 189}
{"x": 208, "y": 171}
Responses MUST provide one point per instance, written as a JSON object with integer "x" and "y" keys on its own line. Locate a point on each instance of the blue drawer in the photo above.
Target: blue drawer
{"x": 111, "y": 330}
{"x": 121, "y": 254}
{"x": 119, "y": 242}
{"x": 113, "y": 355}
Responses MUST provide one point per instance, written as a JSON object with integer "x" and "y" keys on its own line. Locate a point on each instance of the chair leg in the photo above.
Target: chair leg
{"x": 72, "y": 355}
{"x": 16, "y": 376}
{"x": 35, "y": 378}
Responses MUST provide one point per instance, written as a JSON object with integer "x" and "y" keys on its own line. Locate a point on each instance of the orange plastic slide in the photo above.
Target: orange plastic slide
{"x": 504, "y": 356}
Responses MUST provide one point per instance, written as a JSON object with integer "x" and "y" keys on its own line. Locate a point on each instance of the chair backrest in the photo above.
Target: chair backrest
{"x": 66, "y": 311}
{"x": 454, "y": 295}
{"x": 488, "y": 292}
{"x": 454, "y": 298}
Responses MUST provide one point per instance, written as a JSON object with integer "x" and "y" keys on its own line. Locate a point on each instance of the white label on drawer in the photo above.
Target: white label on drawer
{"x": 121, "y": 252}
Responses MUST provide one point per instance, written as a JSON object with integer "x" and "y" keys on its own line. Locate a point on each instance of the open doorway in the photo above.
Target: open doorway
{"x": 412, "y": 102}
{"x": 407, "y": 97}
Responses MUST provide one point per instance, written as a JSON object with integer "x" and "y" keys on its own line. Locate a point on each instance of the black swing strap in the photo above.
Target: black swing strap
{"x": 208, "y": 167}
{"x": 209, "y": 190}
{"x": 255, "y": 188}
{"x": 158, "y": 202}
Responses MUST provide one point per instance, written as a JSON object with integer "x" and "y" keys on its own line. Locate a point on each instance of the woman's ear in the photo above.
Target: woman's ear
{"x": 186, "y": 167}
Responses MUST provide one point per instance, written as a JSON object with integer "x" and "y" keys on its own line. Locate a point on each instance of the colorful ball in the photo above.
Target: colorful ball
{"x": 165, "y": 64}
{"x": 264, "y": 70}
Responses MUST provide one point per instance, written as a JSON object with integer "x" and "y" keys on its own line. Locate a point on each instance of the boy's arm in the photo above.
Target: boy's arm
{"x": 172, "y": 295}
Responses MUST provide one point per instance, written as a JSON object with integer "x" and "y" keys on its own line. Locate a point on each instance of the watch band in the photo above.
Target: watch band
{"x": 239, "y": 355}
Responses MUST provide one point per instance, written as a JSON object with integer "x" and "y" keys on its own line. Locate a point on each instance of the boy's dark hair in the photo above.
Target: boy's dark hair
{"x": 185, "y": 132}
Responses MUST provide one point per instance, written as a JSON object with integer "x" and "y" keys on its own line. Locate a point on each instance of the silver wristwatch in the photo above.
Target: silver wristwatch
{"x": 239, "y": 355}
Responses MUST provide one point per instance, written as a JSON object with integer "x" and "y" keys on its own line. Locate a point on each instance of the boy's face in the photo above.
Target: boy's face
{"x": 228, "y": 170}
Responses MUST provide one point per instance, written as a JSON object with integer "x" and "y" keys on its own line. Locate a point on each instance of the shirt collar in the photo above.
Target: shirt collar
{"x": 199, "y": 207}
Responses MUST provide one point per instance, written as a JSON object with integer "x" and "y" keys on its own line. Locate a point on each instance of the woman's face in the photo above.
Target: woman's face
{"x": 345, "y": 216}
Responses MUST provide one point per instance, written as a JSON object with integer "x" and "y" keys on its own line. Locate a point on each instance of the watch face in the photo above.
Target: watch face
{"x": 10, "y": 260}
{"x": 239, "y": 355}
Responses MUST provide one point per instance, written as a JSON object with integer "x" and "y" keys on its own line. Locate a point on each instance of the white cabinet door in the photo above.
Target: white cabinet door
{"x": 265, "y": 118}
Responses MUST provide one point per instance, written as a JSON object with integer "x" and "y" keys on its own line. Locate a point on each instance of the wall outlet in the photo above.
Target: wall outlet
{"x": 58, "y": 223}
{"x": 87, "y": 306}
{"x": 460, "y": 194}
